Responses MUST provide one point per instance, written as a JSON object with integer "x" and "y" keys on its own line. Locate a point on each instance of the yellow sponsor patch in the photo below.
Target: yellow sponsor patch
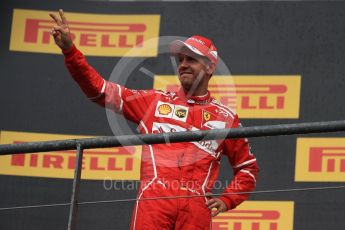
{"x": 110, "y": 163}
{"x": 320, "y": 160}
{"x": 265, "y": 215}
{"x": 250, "y": 96}
{"x": 94, "y": 34}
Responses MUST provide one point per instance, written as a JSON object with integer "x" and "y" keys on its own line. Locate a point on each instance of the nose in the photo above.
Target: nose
{"x": 184, "y": 62}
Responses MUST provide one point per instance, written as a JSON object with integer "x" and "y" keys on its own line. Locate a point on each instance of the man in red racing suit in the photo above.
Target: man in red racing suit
{"x": 178, "y": 169}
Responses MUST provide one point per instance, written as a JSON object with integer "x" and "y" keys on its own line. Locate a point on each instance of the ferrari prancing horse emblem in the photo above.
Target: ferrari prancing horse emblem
{"x": 206, "y": 115}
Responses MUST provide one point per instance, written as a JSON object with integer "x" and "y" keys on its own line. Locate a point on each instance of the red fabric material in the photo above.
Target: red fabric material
{"x": 199, "y": 45}
{"x": 172, "y": 169}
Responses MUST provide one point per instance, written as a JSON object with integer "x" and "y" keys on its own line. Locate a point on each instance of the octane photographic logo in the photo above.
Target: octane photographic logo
{"x": 129, "y": 67}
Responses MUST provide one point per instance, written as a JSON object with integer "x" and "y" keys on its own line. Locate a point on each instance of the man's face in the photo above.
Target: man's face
{"x": 192, "y": 69}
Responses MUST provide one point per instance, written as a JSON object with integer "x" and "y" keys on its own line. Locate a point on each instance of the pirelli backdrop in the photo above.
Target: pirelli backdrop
{"x": 283, "y": 62}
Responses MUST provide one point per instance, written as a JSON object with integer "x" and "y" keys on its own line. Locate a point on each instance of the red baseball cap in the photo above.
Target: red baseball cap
{"x": 197, "y": 44}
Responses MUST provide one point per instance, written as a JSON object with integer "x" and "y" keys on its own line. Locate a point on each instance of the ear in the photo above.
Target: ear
{"x": 210, "y": 68}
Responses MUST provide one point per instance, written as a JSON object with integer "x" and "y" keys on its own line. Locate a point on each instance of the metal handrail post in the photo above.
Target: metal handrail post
{"x": 72, "y": 221}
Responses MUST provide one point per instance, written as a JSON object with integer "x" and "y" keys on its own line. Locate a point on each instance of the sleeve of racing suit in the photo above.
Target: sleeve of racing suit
{"x": 245, "y": 169}
{"x": 131, "y": 103}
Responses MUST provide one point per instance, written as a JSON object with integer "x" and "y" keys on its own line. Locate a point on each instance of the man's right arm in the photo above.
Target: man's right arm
{"x": 131, "y": 103}
{"x": 89, "y": 80}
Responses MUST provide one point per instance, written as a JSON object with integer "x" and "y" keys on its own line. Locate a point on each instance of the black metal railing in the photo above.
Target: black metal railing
{"x": 146, "y": 139}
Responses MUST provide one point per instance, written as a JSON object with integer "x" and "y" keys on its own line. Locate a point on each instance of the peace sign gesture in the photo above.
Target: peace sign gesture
{"x": 61, "y": 32}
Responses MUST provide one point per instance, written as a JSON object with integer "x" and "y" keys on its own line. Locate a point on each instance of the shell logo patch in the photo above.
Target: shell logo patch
{"x": 164, "y": 109}
{"x": 167, "y": 110}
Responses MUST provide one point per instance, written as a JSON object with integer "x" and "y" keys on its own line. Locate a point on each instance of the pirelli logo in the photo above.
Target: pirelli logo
{"x": 95, "y": 34}
{"x": 251, "y": 96}
{"x": 111, "y": 163}
{"x": 320, "y": 160}
{"x": 257, "y": 215}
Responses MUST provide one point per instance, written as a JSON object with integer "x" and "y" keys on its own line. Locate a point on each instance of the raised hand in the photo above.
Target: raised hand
{"x": 61, "y": 31}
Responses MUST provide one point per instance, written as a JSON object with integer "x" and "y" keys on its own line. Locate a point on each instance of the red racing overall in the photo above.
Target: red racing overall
{"x": 179, "y": 169}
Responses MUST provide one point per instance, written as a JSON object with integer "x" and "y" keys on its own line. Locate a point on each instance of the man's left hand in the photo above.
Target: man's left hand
{"x": 216, "y": 206}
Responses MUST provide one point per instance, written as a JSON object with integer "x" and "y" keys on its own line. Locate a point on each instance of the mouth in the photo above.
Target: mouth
{"x": 184, "y": 73}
